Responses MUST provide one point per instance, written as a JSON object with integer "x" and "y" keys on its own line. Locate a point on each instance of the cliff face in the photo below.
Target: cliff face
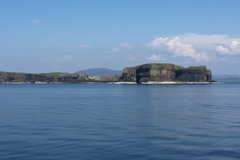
{"x": 129, "y": 74}
{"x": 165, "y": 72}
{"x": 138, "y": 74}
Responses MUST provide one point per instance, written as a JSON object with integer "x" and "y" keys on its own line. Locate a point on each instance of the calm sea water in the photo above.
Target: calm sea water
{"x": 100, "y": 121}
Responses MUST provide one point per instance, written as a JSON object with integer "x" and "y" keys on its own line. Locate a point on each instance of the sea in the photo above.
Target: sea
{"x": 119, "y": 122}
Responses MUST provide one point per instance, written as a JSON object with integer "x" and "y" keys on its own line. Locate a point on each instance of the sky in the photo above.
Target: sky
{"x": 71, "y": 35}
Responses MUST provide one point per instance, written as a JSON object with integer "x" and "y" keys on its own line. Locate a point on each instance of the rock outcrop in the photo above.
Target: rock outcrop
{"x": 165, "y": 72}
{"x": 42, "y": 77}
{"x": 56, "y": 77}
{"x": 146, "y": 73}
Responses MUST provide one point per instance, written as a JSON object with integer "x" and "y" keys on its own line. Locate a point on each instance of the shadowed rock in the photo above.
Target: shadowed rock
{"x": 139, "y": 74}
{"x": 165, "y": 72}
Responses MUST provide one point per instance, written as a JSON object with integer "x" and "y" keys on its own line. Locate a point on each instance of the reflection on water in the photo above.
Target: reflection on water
{"x": 100, "y": 121}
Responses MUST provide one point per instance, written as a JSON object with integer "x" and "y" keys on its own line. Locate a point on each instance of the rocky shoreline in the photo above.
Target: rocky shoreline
{"x": 156, "y": 73}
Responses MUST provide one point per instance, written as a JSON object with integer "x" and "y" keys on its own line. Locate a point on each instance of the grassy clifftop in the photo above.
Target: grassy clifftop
{"x": 160, "y": 72}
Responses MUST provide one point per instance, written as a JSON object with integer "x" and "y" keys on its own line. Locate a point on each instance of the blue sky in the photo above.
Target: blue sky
{"x": 60, "y": 35}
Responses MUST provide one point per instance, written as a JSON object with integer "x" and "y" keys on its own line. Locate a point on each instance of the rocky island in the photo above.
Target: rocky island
{"x": 166, "y": 73}
{"x": 155, "y": 73}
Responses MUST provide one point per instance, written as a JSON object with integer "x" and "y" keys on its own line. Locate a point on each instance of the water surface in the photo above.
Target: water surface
{"x": 101, "y": 121}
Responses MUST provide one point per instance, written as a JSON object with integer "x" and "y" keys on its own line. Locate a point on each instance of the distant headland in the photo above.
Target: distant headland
{"x": 154, "y": 73}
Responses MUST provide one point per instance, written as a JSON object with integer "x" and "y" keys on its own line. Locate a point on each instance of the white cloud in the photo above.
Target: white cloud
{"x": 222, "y": 49}
{"x": 230, "y": 48}
{"x": 115, "y": 49}
{"x": 84, "y": 46}
{"x": 220, "y": 43}
{"x": 125, "y": 45}
{"x": 174, "y": 45}
{"x": 202, "y": 40}
{"x": 156, "y": 58}
{"x": 65, "y": 59}
{"x": 120, "y": 47}
{"x": 36, "y": 21}
{"x": 199, "y": 47}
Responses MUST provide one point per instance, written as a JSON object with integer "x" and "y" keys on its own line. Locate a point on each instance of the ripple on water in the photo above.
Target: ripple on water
{"x": 102, "y": 121}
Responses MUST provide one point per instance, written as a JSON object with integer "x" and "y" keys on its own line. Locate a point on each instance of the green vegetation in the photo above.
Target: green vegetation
{"x": 56, "y": 74}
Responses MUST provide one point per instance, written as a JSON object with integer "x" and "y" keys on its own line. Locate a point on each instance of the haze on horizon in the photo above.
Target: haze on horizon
{"x": 58, "y": 35}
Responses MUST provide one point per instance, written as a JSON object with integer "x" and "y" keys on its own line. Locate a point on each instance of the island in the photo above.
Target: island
{"x": 152, "y": 73}
{"x": 159, "y": 73}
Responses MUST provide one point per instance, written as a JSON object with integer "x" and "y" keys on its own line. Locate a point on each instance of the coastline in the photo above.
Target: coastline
{"x": 146, "y": 74}
{"x": 166, "y": 83}
{"x": 120, "y": 83}
{"x": 173, "y": 82}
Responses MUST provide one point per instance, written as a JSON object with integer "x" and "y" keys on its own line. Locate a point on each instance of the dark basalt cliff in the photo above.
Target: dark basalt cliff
{"x": 138, "y": 74}
{"x": 165, "y": 72}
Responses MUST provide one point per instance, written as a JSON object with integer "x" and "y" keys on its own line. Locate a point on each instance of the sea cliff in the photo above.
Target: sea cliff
{"x": 159, "y": 73}
{"x": 155, "y": 73}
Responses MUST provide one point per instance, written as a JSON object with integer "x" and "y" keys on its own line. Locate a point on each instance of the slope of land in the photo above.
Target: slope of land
{"x": 100, "y": 72}
{"x": 155, "y": 73}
